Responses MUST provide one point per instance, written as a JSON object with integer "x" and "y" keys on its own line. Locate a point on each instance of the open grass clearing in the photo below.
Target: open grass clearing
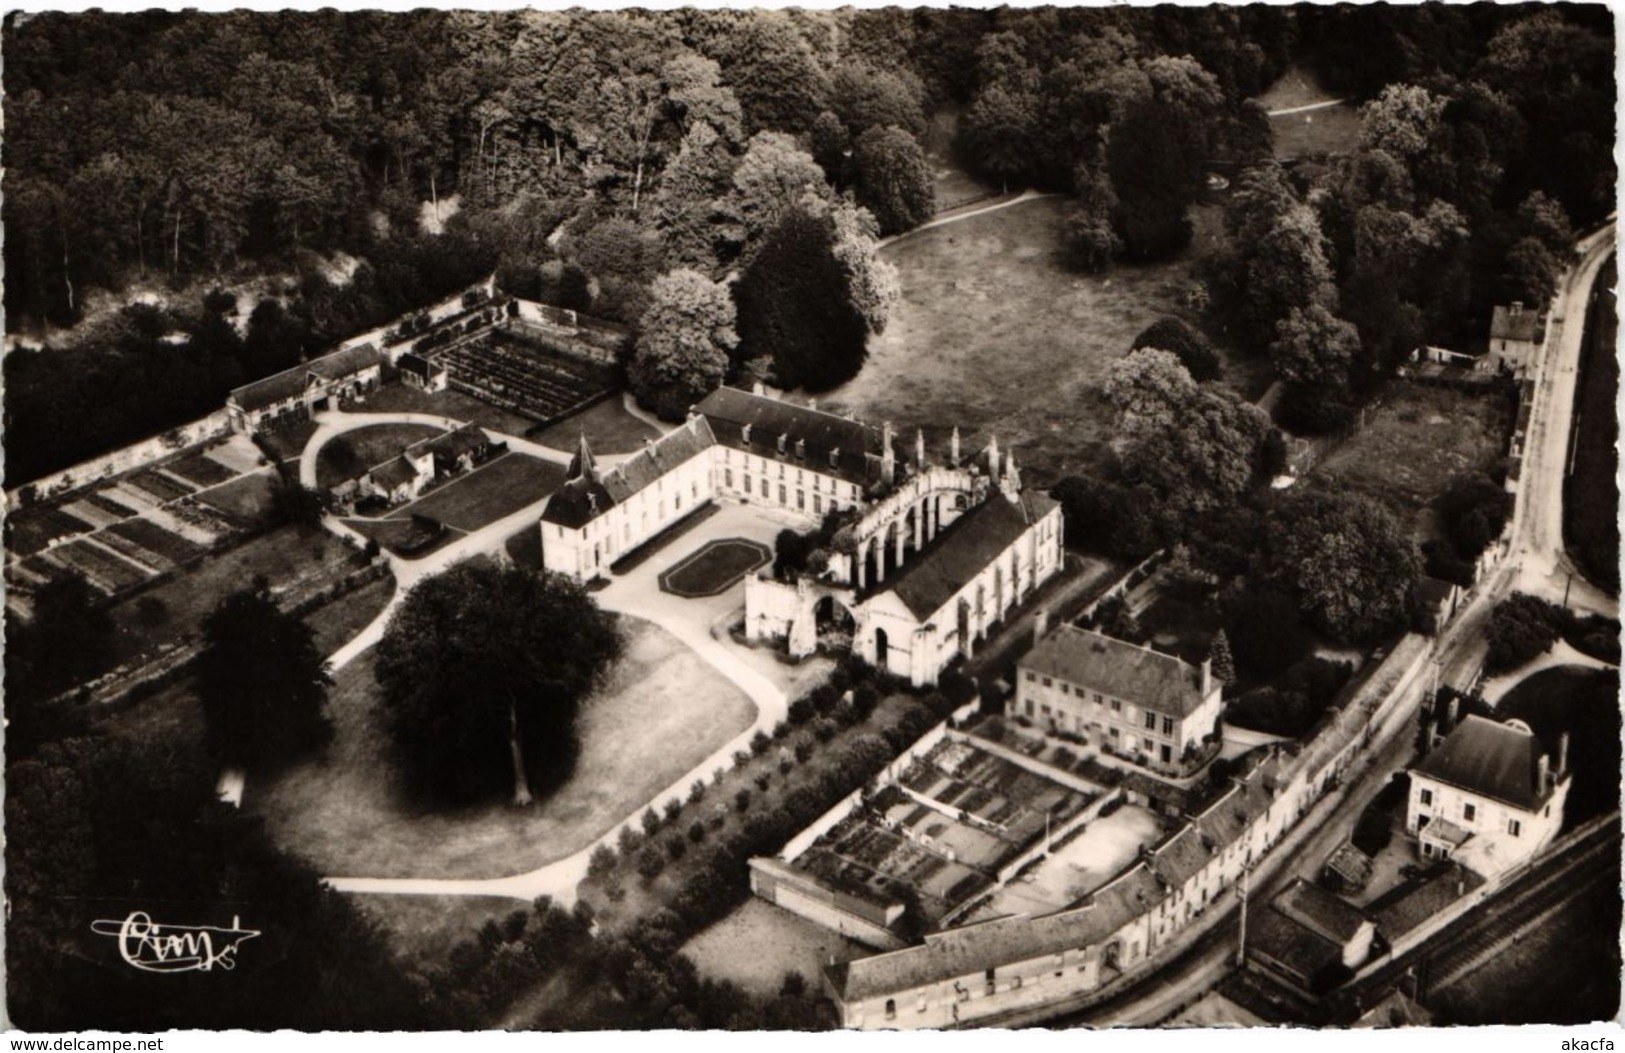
{"x": 608, "y": 427}
{"x": 1415, "y": 441}
{"x": 661, "y": 711}
{"x": 756, "y": 944}
{"x": 424, "y": 930}
{"x": 1316, "y": 133}
{"x": 1298, "y": 86}
{"x": 995, "y": 335}
{"x": 496, "y": 489}
{"x": 403, "y": 398}
{"x": 369, "y": 447}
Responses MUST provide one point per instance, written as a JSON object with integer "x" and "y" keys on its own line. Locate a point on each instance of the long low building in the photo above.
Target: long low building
{"x": 294, "y": 394}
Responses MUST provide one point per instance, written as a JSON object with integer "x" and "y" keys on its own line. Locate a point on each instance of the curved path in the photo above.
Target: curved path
{"x": 970, "y": 211}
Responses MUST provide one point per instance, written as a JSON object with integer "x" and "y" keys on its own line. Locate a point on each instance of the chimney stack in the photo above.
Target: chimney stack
{"x": 1543, "y": 774}
{"x": 919, "y": 448}
{"x": 953, "y": 447}
{"x": 1563, "y": 755}
{"x": 1450, "y": 717}
{"x": 888, "y": 459}
{"x": 1040, "y": 624}
{"x": 1207, "y": 676}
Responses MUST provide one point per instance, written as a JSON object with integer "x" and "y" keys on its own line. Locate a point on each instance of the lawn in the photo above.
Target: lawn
{"x": 368, "y": 447}
{"x": 1415, "y": 441}
{"x": 759, "y": 942}
{"x": 662, "y": 711}
{"x": 1331, "y": 130}
{"x": 714, "y": 568}
{"x": 498, "y": 488}
{"x": 335, "y": 623}
{"x": 424, "y": 930}
{"x": 1591, "y": 493}
{"x": 607, "y": 426}
{"x": 246, "y": 499}
{"x": 994, "y": 335}
{"x": 403, "y": 398}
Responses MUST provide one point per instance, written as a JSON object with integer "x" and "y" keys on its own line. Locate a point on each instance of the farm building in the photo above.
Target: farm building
{"x": 294, "y": 394}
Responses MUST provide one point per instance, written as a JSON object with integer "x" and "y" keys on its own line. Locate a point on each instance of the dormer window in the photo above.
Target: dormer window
{"x": 781, "y": 442}
{"x": 801, "y": 449}
{"x": 835, "y": 457}
{"x": 744, "y": 435}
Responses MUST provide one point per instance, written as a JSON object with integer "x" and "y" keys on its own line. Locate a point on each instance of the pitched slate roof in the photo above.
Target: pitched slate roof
{"x": 279, "y": 387}
{"x": 858, "y": 446}
{"x": 1310, "y": 905}
{"x": 1507, "y": 323}
{"x": 1288, "y": 943}
{"x": 465, "y": 439}
{"x": 394, "y": 472}
{"x": 956, "y": 556}
{"x": 1498, "y": 761}
{"x": 1147, "y": 678}
{"x": 590, "y": 493}
{"x": 972, "y": 949}
{"x": 1403, "y": 908}
{"x": 412, "y": 362}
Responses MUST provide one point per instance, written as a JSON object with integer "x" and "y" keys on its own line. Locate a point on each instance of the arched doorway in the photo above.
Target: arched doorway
{"x": 834, "y": 625}
{"x": 882, "y": 650}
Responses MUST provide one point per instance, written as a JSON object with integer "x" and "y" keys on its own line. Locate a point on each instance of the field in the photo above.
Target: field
{"x": 759, "y": 942}
{"x": 714, "y": 568}
{"x": 996, "y": 336}
{"x": 372, "y": 446}
{"x": 499, "y": 488}
{"x": 607, "y": 426}
{"x": 1328, "y": 130}
{"x": 662, "y": 711}
{"x": 1416, "y": 440}
{"x": 403, "y": 398}
{"x": 1591, "y": 493}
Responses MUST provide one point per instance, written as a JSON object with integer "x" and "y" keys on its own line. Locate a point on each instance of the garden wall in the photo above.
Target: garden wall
{"x": 137, "y": 455}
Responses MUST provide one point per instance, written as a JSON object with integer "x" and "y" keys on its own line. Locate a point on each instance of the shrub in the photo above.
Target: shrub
{"x": 1521, "y": 627}
{"x": 864, "y": 700}
{"x": 629, "y": 840}
{"x": 804, "y": 749}
{"x": 696, "y": 831}
{"x": 763, "y": 779}
{"x": 651, "y": 822}
{"x": 780, "y": 730}
{"x": 650, "y": 863}
{"x": 602, "y": 860}
{"x": 824, "y": 729}
{"x": 742, "y": 799}
{"x": 675, "y": 847}
{"x": 672, "y": 807}
{"x": 696, "y": 791}
{"x": 801, "y": 711}
{"x": 741, "y": 758}
{"x": 759, "y": 743}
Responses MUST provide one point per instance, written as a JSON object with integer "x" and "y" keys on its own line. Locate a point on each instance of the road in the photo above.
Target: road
{"x": 1536, "y": 561}
{"x": 1542, "y": 567}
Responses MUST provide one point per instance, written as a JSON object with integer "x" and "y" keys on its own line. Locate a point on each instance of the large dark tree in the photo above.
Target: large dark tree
{"x": 262, "y": 682}
{"x": 795, "y": 307}
{"x": 484, "y": 669}
{"x": 68, "y": 640}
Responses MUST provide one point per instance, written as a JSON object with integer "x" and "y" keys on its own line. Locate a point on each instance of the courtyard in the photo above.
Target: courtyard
{"x": 757, "y": 944}
{"x": 1078, "y": 867}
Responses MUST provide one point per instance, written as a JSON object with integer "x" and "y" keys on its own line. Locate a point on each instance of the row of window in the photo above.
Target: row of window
{"x": 1115, "y": 705}
{"x": 1469, "y": 812}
